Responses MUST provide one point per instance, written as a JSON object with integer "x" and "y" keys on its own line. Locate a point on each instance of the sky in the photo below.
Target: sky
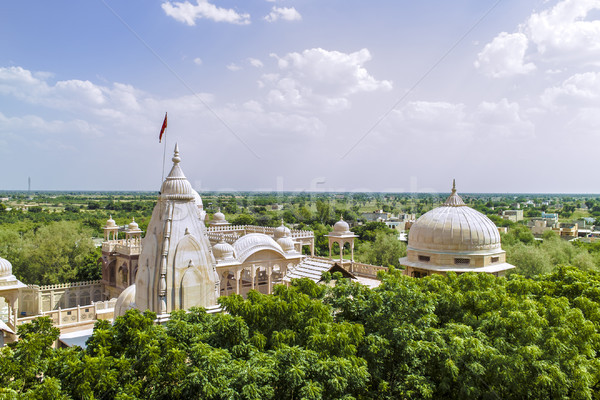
{"x": 306, "y": 95}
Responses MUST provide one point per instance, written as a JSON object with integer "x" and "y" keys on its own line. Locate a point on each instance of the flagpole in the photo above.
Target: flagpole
{"x": 164, "y": 154}
{"x": 163, "y": 130}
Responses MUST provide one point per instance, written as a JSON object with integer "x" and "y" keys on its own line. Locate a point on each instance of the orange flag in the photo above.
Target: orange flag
{"x": 163, "y": 129}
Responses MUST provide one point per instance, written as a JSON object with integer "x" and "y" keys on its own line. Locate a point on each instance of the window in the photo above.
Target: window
{"x": 462, "y": 261}
{"x": 424, "y": 258}
{"x": 495, "y": 259}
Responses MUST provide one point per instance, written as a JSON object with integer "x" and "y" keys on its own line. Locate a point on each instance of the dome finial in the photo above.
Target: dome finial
{"x": 282, "y": 221}
{"x": 176, "y": 159}
{"x": 454, "y": 199}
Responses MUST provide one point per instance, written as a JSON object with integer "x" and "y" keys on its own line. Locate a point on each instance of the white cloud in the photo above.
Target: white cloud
{"x": 577, "y": 90}
{"x": 504, "y": 56}
{"x": 566, "y": 35}
{"x": 198, "y": 61}
{"x": 188, "y": 13}
{"x": 456, "y": 124}
{"x": 566, "y": 29}
{"x": 284, "y": 13}
{"x": 320, "y": 79}
{"x": 233, "y": 67}
{"x": 255, "y": 62}
{"x": 501, "y": 120}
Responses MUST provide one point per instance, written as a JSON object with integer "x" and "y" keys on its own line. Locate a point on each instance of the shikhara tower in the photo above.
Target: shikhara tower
{"x": 176, "y": 266}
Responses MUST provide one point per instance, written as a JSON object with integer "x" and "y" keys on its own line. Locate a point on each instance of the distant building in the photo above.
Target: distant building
{"x": 551, "y": 217}
{"x": 513, "y": 215}
{"x": 538, "y": 226}
{"x": 567, "y": 230}
{"x": 401, "y": 222}
{"x": 374, "y": 216}
{"x": 586, "y": 222}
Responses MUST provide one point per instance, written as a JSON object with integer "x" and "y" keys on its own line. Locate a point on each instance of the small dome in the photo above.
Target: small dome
{"x": 282, "y": 231}
{"x": 218, "y": 219}
{"x": 287, "y": 244}
{"x": 5, "y": 268}
{"x": 223, "y": 250}
{"x": 110, "y": 223}
{"x": 454, "y": 227}
{"x": 133, "y": 226}
{"x": 341, "y": 226}
{"x": 125, "y": 301}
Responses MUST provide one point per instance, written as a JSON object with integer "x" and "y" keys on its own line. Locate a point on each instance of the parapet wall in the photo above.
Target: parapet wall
{"x": 34, "y": 299}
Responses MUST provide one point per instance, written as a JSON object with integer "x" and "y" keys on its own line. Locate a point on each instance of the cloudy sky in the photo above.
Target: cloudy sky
{"x": 503, "y": 95}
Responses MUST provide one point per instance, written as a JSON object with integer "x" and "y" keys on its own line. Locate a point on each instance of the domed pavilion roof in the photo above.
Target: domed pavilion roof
{"x": 454, "y": 227}
{"x": 223, "y": 250}
{"x": 282, "y": 231}
{"x": 341, "y": 226}
{"x": 5, "y": 268}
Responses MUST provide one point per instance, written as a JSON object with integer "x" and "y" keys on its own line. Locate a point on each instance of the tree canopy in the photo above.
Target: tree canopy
{"x": 462, "y": 336}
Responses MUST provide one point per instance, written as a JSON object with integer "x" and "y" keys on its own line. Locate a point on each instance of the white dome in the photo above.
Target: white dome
{"x": 5, "y": 268}
{"x": 133, "y": 226}
{"x": 282, "y": 231}
{"x": 223, "y": 250}
{"x": 254, "y": 242}
{"x": 110, "y": 223}
{"x": 218, "y": 219}
{"x": 125, "y": 301}
{"x": 454, "y": 227}
{"x": 286, "y": 243}
{"x": 341, "y": 226}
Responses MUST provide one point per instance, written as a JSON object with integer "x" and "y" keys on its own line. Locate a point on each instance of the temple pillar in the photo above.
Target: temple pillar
{"x": 238, "y": 274}
{"x": 270, "y": 279}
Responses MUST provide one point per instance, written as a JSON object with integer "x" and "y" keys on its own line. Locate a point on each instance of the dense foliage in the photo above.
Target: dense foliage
{"x": 470, "y": 336}
{"x": 533, "y": 257}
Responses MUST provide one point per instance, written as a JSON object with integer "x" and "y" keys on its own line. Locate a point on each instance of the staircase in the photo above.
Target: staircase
{"x": 310, "y": 267}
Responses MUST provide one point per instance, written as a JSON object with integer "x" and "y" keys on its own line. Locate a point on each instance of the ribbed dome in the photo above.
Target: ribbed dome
{"x": 5, "y": 268}
{"x": 125, "y": 301}
{"x": 133, "y": 226}
{"x": 223, "y": 250}
{"x": 218, "y": 219}
{"x": 341, "y": 226}
{"x": 282, "y": 231}
{"x": 286, "y": 243}
{"x": 176, "y": 186}
{"x": 454, "y": 227}
{"x": 110, "y": 222}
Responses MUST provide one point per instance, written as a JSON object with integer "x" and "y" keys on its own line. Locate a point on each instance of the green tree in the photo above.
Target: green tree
{"x": 54, "y": 253}
{"x": 386, "y": 250}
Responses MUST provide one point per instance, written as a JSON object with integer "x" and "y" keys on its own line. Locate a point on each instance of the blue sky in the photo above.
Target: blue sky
{"x": 336, "y": 95}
